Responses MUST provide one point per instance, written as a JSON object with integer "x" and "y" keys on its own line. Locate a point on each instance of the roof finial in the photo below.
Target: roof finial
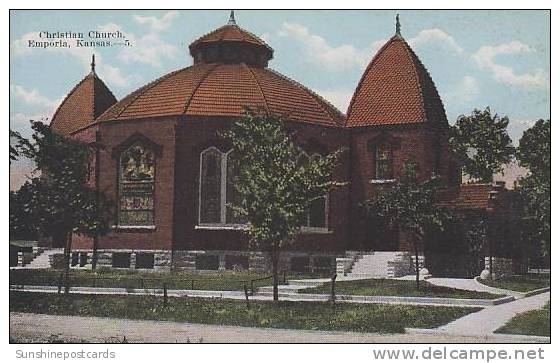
{"x": 398, "y": 26}
{"x": 93, "y": 63}
{"x": 232, "y": 18}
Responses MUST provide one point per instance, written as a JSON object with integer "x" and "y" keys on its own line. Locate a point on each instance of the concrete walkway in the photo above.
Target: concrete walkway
{"x": 472, "y": 285}
{"x": 486, "y": 321}
{"x": 38, "y": 327}
{"x": 267, "y": 296}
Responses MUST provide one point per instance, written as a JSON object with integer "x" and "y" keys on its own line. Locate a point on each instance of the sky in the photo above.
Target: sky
{"x": 499, "y": 59}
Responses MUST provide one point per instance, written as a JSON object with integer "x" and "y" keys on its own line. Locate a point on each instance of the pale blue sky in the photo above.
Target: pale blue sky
{"x": 484, "y": 58}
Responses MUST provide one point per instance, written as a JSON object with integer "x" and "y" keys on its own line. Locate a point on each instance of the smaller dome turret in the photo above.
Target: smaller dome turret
{"x": 231, "y": 44}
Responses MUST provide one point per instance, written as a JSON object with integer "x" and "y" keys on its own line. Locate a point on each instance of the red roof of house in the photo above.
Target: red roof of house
{"x": 218, "y": 89}
{"x": 473, "y": 196}
{"x": 85, "y": 102}
{"x": 395, "y": 88}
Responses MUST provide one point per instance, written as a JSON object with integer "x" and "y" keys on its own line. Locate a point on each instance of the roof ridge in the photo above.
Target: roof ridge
{"x": 312, "y": 94}
{"x": 366, "y": 71}
{"x": 96, "y": 78}
{"x": 195, "y": 89}
{"x": 411, "y": 54}
{"x": 258, "y": 86}
{"x": 432, "y": 83}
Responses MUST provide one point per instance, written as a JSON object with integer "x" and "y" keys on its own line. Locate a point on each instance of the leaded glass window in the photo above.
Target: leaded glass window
{"x": 211, "y": 186}
{"x": 218, "y": 176}
{"x": 136, "y": 186}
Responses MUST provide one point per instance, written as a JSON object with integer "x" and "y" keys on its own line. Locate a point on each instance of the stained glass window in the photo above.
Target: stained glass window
{"x": 383, "y": 162}
{"x": 218, "y": 177}
{"x": 211, "y": 186}
{"x": 136, "y": 186}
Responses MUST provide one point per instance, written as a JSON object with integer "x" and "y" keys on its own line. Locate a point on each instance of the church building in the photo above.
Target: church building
{"x": 163, "y": 163}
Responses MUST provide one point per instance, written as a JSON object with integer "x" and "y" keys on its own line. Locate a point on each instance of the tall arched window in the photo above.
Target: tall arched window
{"x": 383, "y": 161}
{"x": 217, "y": 189}
{"x": 136, "y": 186}
{"x": 211, "y": 186}
{"x": 317, "y": 214}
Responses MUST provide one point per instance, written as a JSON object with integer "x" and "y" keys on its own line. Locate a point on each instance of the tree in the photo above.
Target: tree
{"x": 481, "y": 144}
{"x": 410, "y": 206}
{"x": 533, "y": 153}
{"x": 275, "y": 186}
{"x": 59, "y": 203}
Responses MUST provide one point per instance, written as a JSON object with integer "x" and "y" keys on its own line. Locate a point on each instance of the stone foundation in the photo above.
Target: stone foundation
{"x": 212, "y": 260}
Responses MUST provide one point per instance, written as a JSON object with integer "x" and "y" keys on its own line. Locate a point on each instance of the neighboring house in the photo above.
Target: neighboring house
{"x": 164, "y": 164}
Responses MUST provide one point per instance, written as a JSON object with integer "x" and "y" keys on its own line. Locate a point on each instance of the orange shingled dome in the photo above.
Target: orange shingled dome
{"x": 396, "y": 88}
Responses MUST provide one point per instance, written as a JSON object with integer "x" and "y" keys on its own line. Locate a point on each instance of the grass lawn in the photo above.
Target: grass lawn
{"x": 387, "y": 287}
{"x": 227, "y": 280}
{"x": 534, "y": 322}
{"x": 284, "y": 314}
{"x": 521, "y": 283}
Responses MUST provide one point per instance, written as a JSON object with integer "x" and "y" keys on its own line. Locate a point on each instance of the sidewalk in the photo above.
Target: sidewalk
{"x": 486, "y": 321}
{"x": 472, "y": 285}
{"x": 267, "y": 296}
{"x": 93, "y": 329}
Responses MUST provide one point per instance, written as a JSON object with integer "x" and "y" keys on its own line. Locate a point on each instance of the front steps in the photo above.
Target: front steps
{"x": 42, "y": 258}
{"x": 378, "y": 264}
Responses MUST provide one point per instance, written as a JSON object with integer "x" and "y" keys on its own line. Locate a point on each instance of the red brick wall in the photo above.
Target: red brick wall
{"x": 113, "y": 134}
{"x": 418, "y": 143}
{"x": 195, "y": 135}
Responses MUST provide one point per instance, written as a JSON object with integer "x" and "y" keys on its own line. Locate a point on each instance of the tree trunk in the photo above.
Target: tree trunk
{"x": 94, "y": 254}
{"x": 67, "y": 253}
{"x": 417, "y": 264}
{"x": 274, "y": 254}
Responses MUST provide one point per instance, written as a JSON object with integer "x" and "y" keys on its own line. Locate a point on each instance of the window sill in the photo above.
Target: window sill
{"x": 222, "y": 227}
{"x": 315, "y": 230}
{"x": 382, "y": 181}
{"x": 134, "y": 228}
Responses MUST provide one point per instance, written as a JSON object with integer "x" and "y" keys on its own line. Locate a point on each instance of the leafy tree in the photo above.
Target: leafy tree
{"x": 59, "y": 203}
{"x": 410, "y": 206}
{"x": 533, "y": 153}
{"x": 481, "y": 144}
{"x": 275, "y": 187}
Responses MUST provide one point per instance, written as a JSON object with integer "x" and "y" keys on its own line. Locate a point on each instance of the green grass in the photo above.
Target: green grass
{"x": 283, "y": 314}
{"x": 387, "y": 287}
{"x": 534, "y": 322}
{"x": 521, "y": 283}
{"x": 227, "y": 280}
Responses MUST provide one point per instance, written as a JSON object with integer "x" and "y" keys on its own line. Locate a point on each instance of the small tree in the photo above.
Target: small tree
{"x": 59, "y": 203}
{"x": 481, "y": 144}
{"x": 275, "y": 187}
{"x": 410, "y": 206}
{"x": 533, "y": 153}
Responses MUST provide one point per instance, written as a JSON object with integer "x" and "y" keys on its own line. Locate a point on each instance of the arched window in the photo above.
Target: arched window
{"x": 136, "y": 186}
{"x": 211, "y": 186}
{"x": 217, "y": 189}
{"x": 383, "y": 161}
{"x": 317, "y": 214}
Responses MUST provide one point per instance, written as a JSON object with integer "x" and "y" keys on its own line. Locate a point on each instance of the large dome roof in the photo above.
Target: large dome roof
{"x": 217, "y": 89}
{"x": 396, "y": 88}
{"x": 228, "y": 76}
